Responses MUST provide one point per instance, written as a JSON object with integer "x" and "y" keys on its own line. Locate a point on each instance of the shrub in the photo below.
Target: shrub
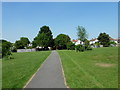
{"x": 89, "y": 48}
{"x": 70, "y": 46}
{"x": 14, "y": 49}
{"x": 10, "y": 57}
{"x": 6, "y": 48}
{"x": 80, "y": 48}
{"x": 30, "y": 47}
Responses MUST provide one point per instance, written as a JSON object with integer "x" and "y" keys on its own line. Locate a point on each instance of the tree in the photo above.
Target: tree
{"x": 82, "y": 34}
{"x": 6, "y": 48}
{"x": 113, "y": 43}
{"x": 61, "y": 41}
{"x": 97, "y": 44}
{"x": 25, "y": 41}
{"x": 104, "y": 39}
{"x": 22, "y": 43}
{"x": 19, "y": 45}
{"x": 70, "y": 46}
{"x": 79, "y": 48}
{"x": 44, "y": 38}
{"x": 86, "y": 44}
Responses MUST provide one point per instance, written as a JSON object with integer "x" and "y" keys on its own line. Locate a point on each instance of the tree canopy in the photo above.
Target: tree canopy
{"x": 22, "y": 43}
{"x": 25, "y": 41}
{"x": 6, "y": 48}
{"x": 81, "y": 33}
{"x": 61, "y": 41}
{"x": 19, "y": 45}
{"x": 44, "y": 37}
{"x": 104, "y": 39}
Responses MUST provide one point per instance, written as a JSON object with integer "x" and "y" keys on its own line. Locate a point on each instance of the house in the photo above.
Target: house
{"x": 94, "y": 44}
{"x": 93, "y": 41}
{"x": 77, "y": 42}
{"x": 114, "y": 40}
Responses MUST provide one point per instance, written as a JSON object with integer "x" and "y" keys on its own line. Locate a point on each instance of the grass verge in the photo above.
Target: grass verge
{"x": 91, "y": 69}
{"x": 16, "y": 72}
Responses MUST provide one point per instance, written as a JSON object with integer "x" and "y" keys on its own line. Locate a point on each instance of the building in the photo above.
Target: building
{"x": 93, "y": 41}
{"x": 77, "y": 42}
{"x": 115, "y": 40}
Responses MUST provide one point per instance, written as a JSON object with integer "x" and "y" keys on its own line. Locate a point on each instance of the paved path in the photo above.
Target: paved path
{"x": 49, "y": 75}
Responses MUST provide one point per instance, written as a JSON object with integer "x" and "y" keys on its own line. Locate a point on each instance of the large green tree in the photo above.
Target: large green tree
{"x": 19, "y": 45}
{"x": 22, "y": 43}
{"x": 104, "y": 39}
{"x": 44, "y": 38}
{"x": 61, "y": 41}
{"x": 6, "y": 48}
{"x": 82, "y": 33}
{"x": 25, "y": 41}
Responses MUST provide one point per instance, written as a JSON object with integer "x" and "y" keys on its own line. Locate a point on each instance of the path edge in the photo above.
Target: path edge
{"x": 63, "y": 71}
{"x": 35, "y": 72}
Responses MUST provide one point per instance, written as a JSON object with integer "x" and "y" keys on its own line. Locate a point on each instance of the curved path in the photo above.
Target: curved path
{"x": 49, "y": 75}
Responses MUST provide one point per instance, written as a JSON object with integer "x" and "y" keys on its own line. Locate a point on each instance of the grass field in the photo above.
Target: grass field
{"x": 17, "y": 71}
{"x": 91, "y": 69}
{"x": 0, "y": 74}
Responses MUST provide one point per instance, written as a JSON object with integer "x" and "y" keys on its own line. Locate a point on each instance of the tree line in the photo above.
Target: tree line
{"x": 44, "y": 39}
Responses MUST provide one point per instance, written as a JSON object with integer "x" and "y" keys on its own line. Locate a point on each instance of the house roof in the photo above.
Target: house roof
{"x": 93, "y": 39}
{"x": 114, "y": 39}
{"x": 74, "y": 40}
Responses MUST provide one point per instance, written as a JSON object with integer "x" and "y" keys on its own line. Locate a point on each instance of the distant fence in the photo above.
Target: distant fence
{"x": 26, "y": 50}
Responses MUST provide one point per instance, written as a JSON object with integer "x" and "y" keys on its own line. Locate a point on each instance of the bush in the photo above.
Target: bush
{"x": 89, "y": 48}
{"x": 30, "y": 47}
{"x": 6, "y": 48}
{"x": 14, "y": 49}
{"x": 70, "y": 46}
{"x": 79, "y": 48}
{"x": 10, "y": 57}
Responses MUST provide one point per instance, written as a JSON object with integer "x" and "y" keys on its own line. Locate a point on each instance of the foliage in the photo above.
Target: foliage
{"x": 113, "y": 43}
{"x": 70, "y": 46}
{"x": 84, "y": 47}
{"x": 6, "y": 48}
{"x": 22, "y": 43}
{"x": 14, "y": 49}
{"x": 79, "y": 48}
{"x": 89, "y": 48}
{"x": 86, "y": 44}
{"x": 82, "y": 34}
{"x": 44, "y": 37}
{"x": 61, "y": 41}
{"x": 34, "y": 43}
{"x": 30, "y": 47}
{"x": 19, "y": 45}
{"x": 25, "y": 41}
{"x": 97, "y": 44}
{"x": 104, "y": 39}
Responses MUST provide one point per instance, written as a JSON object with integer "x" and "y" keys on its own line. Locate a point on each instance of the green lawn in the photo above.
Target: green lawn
{"x": 91, "y": 69}
{"x": 17, "y": 71}
{"x": 0, "y": 74}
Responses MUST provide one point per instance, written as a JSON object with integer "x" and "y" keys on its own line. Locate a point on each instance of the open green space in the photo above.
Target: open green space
{"x": 0, "y": 73}
{"x": 16, "y": 72}
{"x": 97, "y": 68}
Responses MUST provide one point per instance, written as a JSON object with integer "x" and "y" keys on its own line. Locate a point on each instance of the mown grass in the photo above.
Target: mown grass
{"x": 87, "y": 69}
{"x": 0, "y": 74}
{"x": 16, "y": 72}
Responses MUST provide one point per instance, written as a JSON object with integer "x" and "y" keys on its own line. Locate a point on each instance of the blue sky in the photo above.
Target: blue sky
{"x": 22, "y": 19}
